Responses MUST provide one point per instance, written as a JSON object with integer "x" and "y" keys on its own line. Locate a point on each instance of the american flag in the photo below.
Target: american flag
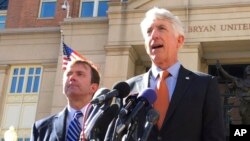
{"x": 71, "y": 55}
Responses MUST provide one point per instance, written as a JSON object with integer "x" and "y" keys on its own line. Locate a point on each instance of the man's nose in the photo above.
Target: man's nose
{"x": 155, "y": 34}
{"x": 72, "y": 77}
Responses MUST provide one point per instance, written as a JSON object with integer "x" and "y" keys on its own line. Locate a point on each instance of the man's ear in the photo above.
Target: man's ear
{"x": 180, "y": 40}
{"x": 94, "y": 87}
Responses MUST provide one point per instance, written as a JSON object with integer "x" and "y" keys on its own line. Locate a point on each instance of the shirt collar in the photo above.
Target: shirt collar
{"x": 173, "y": 70}
{"x": 72, "y": 111}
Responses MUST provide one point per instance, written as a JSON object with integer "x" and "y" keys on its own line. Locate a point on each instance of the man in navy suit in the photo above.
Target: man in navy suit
{"x": 195, "y": 110}
{"x": 81, "y": 81}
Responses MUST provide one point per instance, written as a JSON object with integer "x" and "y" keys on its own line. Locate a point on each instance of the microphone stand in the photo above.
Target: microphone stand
{"x": 111, "y": 131}
{"x": 92, "y": 136}
{"x": 131, "y": 130}
{"x": 151, "y": 119}
{"x": 115, "y": 136}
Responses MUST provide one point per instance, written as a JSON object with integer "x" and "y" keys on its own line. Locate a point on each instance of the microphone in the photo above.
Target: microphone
{"x": 151, "y": 118}
{"x": 96, "y": 107}
{"x": 100, "y": 92}
{"x": 110, "y": 130}
{"x": 146, "y": 97}
{"x": 130, "y": 103}
{"x": 100, "y": 122}
{"x": 120, "y": 89}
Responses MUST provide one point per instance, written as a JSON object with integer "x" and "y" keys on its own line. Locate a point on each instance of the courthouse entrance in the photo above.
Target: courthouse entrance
{"x": 234, "y": 57}
{"x": 229, "y": 94}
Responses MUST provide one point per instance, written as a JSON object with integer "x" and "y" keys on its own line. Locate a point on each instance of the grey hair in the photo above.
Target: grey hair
{"x": 161, "y": 13}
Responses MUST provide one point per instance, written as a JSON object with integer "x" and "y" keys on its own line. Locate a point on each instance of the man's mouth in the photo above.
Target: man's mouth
{"x": 72, "y": 85}
{"x": 157, "y": 46}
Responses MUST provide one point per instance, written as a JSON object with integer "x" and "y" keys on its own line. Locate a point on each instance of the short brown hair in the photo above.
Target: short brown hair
{"x": 95, "y": 76}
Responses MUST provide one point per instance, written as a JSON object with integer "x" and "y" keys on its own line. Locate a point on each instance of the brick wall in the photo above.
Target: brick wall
{"x": 25, "y": 13}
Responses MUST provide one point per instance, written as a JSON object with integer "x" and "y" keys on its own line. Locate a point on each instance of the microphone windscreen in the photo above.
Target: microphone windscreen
{"x": 149, "y": 94}
{"x": 123, "y": 89}
{"x": 100, "y": 91}
{"x": 103, "y": 123}
{"x": 108, "y": 115}
{"x": 132, "y": 97}
{"x": 152, "y": 116}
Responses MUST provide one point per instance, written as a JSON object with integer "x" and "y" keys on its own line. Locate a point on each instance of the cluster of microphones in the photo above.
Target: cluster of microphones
{"x": 115, "y": 112}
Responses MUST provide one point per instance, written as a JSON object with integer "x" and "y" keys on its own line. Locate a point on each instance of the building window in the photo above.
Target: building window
{"x": 48, "y": 8}
{"x": 23, "y": 139}
{"x": 2, "y": 21}
{"x": 94, "y": 8}
{"x": 25, "y": 79}
{"x": 4, "y": 4}
{"x": 19, "y": 139}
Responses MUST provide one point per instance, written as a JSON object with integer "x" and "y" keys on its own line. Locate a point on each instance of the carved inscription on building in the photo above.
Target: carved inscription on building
{"x": 218, "y": 28}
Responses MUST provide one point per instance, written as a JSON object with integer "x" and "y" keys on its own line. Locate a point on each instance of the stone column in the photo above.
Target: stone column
{"x": 59, "y": 100}
{"x": 119, "y": 65}
{"x": 3, "y": 88}
{"x": 46, "y": 95}
{"x": 190, "y": 57}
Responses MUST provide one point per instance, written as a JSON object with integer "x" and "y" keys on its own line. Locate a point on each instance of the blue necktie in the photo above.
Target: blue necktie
{"x": 74, "y": 129}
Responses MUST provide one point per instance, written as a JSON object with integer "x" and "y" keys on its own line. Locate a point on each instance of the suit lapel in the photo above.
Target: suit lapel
{"x": 145, "y": 80}
{"x": 183, "y": 81}
{"x": 60, "y": 124}
{"x": 141, "y": 83}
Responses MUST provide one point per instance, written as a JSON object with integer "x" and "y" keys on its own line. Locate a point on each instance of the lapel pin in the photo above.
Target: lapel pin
{"x": 187, "y": 78}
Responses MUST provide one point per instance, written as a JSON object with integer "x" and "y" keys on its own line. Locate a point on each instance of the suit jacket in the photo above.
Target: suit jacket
{"x": 52, "y": 128}
{"x": 195, "y": 110}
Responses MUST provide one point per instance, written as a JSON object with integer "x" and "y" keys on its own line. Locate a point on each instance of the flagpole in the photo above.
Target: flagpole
{"x": 62, "y": 37}
{"x": 61, "y": 47}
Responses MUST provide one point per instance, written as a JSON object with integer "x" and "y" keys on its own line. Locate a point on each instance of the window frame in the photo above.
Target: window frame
{"x": 41, "y": 8}
{"x": 23, "y": 139}
{"x": 3, "y": 13}
{"x": 26, "y": 77}
{"x": 4, "y": 5}
{"x": 95, "y": 8}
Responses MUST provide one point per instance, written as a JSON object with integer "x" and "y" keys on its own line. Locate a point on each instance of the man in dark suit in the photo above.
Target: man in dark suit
{"x": 81, "y": 81}
{"x": 194, "y": 111}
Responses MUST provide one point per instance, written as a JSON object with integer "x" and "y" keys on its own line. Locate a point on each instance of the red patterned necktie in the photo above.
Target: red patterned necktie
{"x": 86, "y": 113}
{"x": 162, "y": 101}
